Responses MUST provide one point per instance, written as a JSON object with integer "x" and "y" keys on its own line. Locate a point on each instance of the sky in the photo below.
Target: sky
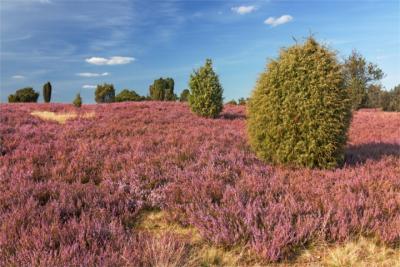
{"x": 77, "y": 44}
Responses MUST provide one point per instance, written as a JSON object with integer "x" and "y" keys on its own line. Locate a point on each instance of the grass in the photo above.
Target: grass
{"x": 60, "y": 117}
{"x": 363, "y": 252}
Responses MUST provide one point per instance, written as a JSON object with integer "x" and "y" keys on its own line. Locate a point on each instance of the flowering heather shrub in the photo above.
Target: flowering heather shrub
{"x": 299, "y": 111}
{"x": 71, "y": 194}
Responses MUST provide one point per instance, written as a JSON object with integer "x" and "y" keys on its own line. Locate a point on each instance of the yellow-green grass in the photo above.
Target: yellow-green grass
{"x": 362, "y": 252}
{"x": 60, "y": 117}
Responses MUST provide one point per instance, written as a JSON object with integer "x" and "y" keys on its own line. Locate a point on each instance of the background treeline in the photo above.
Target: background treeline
{"x": 361, "y": 79}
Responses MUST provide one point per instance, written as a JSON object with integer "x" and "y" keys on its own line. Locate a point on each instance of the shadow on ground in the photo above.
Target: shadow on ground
{"x": 358, "y": 154}
{"x": 232, "y": 116}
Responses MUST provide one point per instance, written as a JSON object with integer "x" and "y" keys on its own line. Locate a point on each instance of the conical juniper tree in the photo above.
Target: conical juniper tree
{"x": 299, "y": 111}
{"x": 47, "y": 92}
{"x": 205, "y": 97}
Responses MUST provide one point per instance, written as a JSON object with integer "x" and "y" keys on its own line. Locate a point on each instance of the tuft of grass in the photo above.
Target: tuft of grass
{"x": 201, "y": 252}
{"x": 155, "y": 222}
{"x": 60, "y": 117}
{"x": 362, "y": 253}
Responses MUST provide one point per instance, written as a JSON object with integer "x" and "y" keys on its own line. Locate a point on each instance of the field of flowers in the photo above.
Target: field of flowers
{"x": 72, "y": 193}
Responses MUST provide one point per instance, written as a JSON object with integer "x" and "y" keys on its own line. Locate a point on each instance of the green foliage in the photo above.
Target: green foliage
{"x": 242, "y": 101}
{"x": 299, "y": 111}
{"x": 358, "y": 75}
{"x": 232, "y": 102}
{"x": 47, "y": 92}
{"x": 105, "y": 93}
{"x": 77, "y": 101}
{"x": 205, "y": 97}
{"x": 24, "y": 95}
{"x": 184, "y": 95}
{"x": 390, "y": 100}
{"x": 162, "y": 90}
{"x": 127, "y": 95}
{"x": 374, "y": 94}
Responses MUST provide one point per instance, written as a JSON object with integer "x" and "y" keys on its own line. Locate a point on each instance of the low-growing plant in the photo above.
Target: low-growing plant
{"x": 299, "y": 111}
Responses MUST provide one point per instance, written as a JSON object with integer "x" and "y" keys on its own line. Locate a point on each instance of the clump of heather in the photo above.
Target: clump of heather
{"x": 71, "y": 194}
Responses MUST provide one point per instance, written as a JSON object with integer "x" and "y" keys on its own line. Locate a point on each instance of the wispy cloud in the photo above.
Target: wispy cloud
{"x": 89, "y": 86}
{"x": 241, "y": 10}
{"x": 117, "y": 60}
{"x": 18, "y": 77}
{"x": 278, "y": 21}
{"x": 90, "y": 74}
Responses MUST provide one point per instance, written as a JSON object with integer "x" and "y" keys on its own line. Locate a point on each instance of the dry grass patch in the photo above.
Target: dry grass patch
{"x": 200, "y": 252}
{"x": 360, "y": 253}
{"x": 60, "y": 117}
{"x": 195, "y": 251}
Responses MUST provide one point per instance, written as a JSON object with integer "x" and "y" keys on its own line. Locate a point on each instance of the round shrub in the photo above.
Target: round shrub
{"x": 205, "y": 98}
{"x": 299, "y": 111}
{"x": 24, "y": 95}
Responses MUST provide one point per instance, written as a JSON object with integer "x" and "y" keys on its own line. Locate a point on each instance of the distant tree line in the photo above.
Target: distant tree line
{"x": 361, "y": 79}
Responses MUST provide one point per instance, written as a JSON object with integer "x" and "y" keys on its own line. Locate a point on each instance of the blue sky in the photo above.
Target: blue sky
{"x": 76, "y": 44}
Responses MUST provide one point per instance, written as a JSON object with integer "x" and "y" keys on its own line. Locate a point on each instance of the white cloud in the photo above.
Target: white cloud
{"x": 109, "y": 61}
{"x": 90, "y": 74}
{"x": 18, "y": 77}
{"x": 278, "y": 21}
{"x": 241, "y": 10}
{"x": 89, "y": 86}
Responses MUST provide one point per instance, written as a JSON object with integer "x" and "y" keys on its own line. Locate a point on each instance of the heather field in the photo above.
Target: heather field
{"x": 151, "y": 184}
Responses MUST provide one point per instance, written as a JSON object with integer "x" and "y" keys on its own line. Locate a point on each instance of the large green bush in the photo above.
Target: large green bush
{"x": 105, "y": 93}
{"x": 47, "y": 92}
{"x": 299, "y": 111}
{"x": 24, "y": 95}
{"x": 205, "y": 97}
{"x": 128, "y": 95}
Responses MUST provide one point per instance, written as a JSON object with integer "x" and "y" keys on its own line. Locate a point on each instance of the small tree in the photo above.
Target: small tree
{"x": 77, "y": 101}
{"x": 127, "y": 95}
{"x": 242, "y": 101}
{"x": 374, "y": 94}
{"x": 24, "y": 95}
{"x": 232, "y": 102}
{"x": 169, "y": 90}
{"x": 162, "y": 89}
{"x": 358, "y": 75}
{"x": 299, "y": 111}
{"x": 205, "y": 97}
{"x": 390, "y": 100}
{"x": 184, "y": 95}
{"x": 105, "y": 93}
{"x": 47, "y": 92}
